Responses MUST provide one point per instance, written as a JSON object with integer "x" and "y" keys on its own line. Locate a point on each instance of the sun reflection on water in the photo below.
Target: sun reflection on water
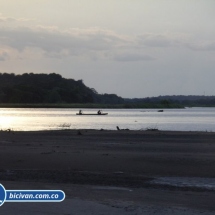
{"x": 32, "y": 119}
{"x": 6, "y": 122}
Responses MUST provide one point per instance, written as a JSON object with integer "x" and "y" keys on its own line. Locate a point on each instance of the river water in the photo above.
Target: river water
{"x": 32, "y": 119}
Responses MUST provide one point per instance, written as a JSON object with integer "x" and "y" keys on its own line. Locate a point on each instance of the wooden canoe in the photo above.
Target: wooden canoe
{"x": 94, "y": 114}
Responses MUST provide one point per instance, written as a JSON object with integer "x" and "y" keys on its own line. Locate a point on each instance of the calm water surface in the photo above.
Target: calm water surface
{"x": 29, "y": 119}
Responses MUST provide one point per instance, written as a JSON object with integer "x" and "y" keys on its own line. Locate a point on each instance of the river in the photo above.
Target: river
{"x": 34, "y": 119}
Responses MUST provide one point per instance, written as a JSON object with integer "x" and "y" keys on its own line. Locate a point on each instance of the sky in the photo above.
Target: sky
{"x": 132, "y": 48}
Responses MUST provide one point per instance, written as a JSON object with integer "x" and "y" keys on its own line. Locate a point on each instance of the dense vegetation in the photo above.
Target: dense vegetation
{"x": 52, "y": 90}
{"x": 192, "y": 101}
{"x": 49, "y": 88}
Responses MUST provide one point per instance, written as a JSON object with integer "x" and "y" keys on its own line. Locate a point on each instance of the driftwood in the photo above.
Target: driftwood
{"x": 122, "y": 129}
{"x": 79, "y": 133}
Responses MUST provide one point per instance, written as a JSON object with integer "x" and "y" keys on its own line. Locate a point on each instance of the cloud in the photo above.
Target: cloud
{"x": 6, "y": 19}
{"x": 161, "y": 40}
{"x": 58, "y": 43}
{"x": 174, "y": 40}
{"x": 3, "y": 56}
{"x": 93, "y": 43}
{"x": 155, "y": 40}
{"x": 51, "y": 39}
{"x": 127, "y": 57}
{"x": 202, "y": 46}
{"x": 12, "y": 19}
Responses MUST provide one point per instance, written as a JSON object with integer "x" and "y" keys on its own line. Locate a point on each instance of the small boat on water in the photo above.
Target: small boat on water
{"x": 95, "y": 114}
{"x": 99, "y": 113}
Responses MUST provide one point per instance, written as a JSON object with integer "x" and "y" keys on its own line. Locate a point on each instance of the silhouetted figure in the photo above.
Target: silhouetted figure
{"x": 118, "y": 128}
{"x": 80, "y": 112}
{"x": 99, "y": 112}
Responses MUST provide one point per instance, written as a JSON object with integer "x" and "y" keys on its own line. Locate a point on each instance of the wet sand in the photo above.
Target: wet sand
{"x": 110, "y": 172}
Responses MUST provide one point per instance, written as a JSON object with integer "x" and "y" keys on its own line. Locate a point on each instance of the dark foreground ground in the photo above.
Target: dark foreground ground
{"x": 109, "y": 172}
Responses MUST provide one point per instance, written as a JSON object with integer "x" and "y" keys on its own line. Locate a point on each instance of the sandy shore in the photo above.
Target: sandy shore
{"x": 110, "y": 172}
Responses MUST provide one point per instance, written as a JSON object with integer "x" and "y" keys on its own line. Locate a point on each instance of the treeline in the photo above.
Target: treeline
{"x": 45, "y": 89}
{"x": 190, "y": 100}
{"x": 30, "y": 88}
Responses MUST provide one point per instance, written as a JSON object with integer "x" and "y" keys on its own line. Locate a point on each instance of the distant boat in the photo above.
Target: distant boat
{"x": 93, "y": 114}
{"x": 99, "y": 112}
{"x": 160, "y": 110}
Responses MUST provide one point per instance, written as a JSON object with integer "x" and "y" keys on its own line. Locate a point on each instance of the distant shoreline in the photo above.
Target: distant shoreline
{"x": 91, "y": 105}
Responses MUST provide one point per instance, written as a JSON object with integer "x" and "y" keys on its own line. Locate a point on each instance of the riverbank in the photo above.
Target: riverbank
{"x": 113, "y": 168}
{"x": 91, "y": 105}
